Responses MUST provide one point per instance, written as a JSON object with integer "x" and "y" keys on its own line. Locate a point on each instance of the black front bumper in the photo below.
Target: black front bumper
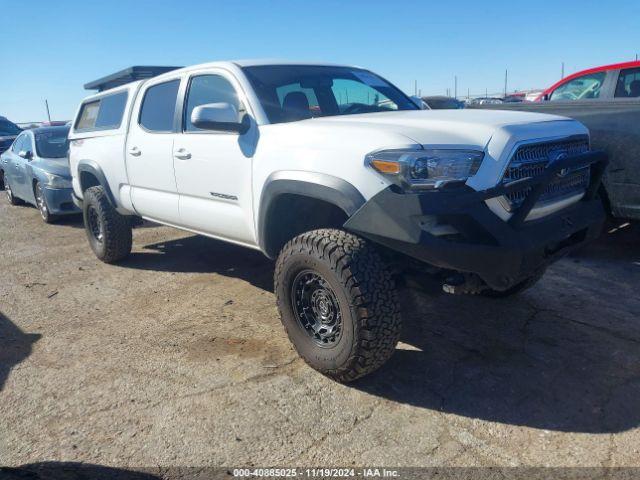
{"x": 455, "y": 229}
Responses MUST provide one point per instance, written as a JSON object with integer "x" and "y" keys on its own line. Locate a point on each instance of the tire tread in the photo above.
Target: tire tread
{"x": 118, "y": 237}
{"x": 368, "y": 285}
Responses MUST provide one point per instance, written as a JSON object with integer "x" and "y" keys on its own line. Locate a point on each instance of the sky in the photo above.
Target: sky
{"x": 50, "y": 49}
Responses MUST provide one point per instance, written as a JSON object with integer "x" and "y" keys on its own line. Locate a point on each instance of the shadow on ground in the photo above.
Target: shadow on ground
{"x": 71, "y": 471}
{"x": 15, "y": 346}
{"x": 198, "y": 254}
{"x": 563, "y": 356}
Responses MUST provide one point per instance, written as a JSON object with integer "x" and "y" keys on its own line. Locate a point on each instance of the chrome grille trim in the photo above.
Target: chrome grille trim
{"x": 530, "y": 160}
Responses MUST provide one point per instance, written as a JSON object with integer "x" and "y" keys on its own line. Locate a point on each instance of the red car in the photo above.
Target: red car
{"x": 620, "y": 80}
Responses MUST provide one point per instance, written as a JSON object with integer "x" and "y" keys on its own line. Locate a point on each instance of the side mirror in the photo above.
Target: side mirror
{"x": 421, "y": 104}
{"x": 26, "y": 154}
{"x": 218, "y": 116}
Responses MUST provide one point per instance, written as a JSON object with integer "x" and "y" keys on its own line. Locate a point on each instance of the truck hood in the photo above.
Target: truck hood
{"x": 455, "y": 127}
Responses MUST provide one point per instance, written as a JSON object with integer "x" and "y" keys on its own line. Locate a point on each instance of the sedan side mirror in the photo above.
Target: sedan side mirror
{"x": 218, "y": 116}
{"x": 26, "y": 154}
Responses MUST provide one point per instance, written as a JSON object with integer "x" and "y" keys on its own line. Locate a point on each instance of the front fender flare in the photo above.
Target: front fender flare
{"x": 320, "y": 186}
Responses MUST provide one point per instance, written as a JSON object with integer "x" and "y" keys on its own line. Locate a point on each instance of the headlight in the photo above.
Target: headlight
{"x": 54, "y": 181}
{"x": 425, "y": 168}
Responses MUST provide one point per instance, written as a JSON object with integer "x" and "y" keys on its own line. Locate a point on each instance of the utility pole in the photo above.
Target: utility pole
{"x": 415, "y": 87}
{"x": 46, "y": 104}
{"x": 636, "y": 57}
{"x": 455, "y": 91}
{"x": 468, "y": 93}
{"x": 562, "y": 74}
{"x": 506, "y": 77}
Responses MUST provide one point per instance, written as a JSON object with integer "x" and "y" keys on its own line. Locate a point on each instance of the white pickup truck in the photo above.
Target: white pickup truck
{"x": 343, "y": 179}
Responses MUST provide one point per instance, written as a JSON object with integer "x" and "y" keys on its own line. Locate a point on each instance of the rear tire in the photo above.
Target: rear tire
{"x": 338, "y": 303}
{"x": 109, "y": 233}
{"x": 43, "y": 207}
{"x": 13, "y": 200}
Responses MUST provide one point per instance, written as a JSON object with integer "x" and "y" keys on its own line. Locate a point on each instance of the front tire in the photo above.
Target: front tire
{"x": 109, "y": 233}
{"x": 338, "y": 303}
{"x": 43, "y": 207}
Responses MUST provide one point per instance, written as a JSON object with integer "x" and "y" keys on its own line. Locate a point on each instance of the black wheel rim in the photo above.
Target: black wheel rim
{"x": 41, "y": 202}
{"x": 316, "y": 308}
{"x": 95, "y": 225}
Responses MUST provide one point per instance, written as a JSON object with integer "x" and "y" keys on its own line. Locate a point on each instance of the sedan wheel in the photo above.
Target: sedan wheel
{"x": 41, "y": 202}
{"x": 12, "y": 199}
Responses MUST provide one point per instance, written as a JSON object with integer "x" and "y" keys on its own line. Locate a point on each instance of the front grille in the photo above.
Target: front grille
{"x": 531, "y": 161}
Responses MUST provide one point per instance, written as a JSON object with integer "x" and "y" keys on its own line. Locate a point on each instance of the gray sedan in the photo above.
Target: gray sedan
{"x": 36, "y": 170}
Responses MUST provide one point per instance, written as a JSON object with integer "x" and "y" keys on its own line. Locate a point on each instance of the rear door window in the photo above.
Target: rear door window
{"x": 585, "y": 87}
{"x": 159, "y": 106}
{"x": 17, "y": 143}
{"x": 628, "y": 83}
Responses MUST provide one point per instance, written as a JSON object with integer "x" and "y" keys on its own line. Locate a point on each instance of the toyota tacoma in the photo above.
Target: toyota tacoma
{"x": 345, "y": 182}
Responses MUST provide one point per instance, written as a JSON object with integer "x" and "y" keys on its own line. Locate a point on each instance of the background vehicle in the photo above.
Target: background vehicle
{"x": 339, "y": 176}
{"x": 486, "y": 101}
{"x": 8, "y": 132}
{"x": 439, "y": 102}
{"x": 606, "y": 100}
{"x": 37, "y": 172}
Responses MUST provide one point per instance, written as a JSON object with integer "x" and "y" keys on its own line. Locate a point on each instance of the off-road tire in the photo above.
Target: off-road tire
{"x": 115, "y": 239}
{"x": 1, "y": 180}
{"x": 13, "y": 200}
{"x": 516, "y": 289}
{"x": 365, "y": 293}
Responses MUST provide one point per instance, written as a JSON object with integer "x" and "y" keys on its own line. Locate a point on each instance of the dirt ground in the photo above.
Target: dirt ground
{"x": 177, "y": 357}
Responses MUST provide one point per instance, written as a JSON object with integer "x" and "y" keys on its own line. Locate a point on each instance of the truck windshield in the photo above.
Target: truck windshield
{"x": 7, "y": 128}
{"x": 297, "y": 92}
{"x": 52, "y": 143}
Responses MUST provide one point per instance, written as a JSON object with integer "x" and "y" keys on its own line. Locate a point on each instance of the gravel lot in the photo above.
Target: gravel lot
{"x": 177, "y": 357}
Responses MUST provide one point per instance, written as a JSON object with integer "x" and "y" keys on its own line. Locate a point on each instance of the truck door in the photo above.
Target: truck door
{"x": 149, "y": 151}
{"x": 213, "y": 168}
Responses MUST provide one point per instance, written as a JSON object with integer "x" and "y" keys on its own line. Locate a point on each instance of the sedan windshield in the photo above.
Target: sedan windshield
{"x": 8, "y": 129}
{"x": 297, "y": 92}
{"x": 52, "y": 143}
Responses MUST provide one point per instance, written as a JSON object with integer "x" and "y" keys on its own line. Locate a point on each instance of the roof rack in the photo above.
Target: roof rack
{"x": 127, "y": 75}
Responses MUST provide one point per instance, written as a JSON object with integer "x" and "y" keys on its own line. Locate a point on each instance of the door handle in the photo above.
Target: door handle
{"x": 135, "y": 151}
{"x": 182, "y": 154}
